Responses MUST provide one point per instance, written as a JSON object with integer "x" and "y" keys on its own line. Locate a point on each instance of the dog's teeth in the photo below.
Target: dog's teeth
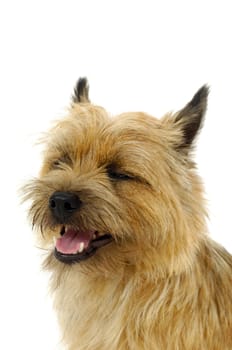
{"x": 94, "y": 236}
{"x": 66, "y": 228}
{"x": 54, "y": 240}
{"x": 81, "y": 248}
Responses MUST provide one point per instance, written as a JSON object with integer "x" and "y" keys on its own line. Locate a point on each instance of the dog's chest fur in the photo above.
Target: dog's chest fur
{"x": 122, "y": 312}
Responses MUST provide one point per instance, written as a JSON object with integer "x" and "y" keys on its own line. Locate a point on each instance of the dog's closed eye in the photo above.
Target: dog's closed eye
{"x": 118, "y": 174}
{"x": 61, "y": 161}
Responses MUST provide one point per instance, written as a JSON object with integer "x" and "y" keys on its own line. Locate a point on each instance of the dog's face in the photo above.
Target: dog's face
{"x": 112, "y": 190}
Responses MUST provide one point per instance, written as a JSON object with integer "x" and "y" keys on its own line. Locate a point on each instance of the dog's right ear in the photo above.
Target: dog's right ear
{"x": 81, "y": 91}
{"x": 189, "y": 120}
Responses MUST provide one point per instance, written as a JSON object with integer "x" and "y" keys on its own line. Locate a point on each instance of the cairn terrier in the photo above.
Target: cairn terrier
{"x": 120, "y": 209}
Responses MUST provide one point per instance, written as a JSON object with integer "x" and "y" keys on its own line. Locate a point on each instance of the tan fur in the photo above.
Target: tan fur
{"x": 163, "y": 284}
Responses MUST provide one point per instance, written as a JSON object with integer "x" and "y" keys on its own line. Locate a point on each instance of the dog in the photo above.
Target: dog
{"x": 120, "y": 209}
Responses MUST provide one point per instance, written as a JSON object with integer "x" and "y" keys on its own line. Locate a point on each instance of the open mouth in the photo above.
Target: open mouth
{"x": 74, "y": 246}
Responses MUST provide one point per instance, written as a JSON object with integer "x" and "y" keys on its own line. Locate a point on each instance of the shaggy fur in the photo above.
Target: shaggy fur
{"x": 162, "y": 283}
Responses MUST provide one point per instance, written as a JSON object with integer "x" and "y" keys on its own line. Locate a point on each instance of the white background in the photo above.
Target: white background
{"x": 137, "y": 55}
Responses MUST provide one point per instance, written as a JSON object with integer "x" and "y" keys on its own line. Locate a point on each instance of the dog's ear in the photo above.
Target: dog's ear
{"x": 190, "y": 119}
{"x": 81, "y": 91}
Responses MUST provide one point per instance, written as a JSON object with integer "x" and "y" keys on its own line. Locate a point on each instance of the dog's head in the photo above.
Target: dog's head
{"x": 119, "y": 191}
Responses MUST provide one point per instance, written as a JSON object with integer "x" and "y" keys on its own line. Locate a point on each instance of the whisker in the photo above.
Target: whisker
{"x": 41, "y": 248}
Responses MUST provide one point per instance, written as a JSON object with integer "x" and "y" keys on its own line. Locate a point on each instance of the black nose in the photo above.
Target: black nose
{"x": 63, "y": 205}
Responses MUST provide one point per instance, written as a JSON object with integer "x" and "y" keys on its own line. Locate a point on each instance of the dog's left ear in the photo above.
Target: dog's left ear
{"x": 190, "y": 119}
{"x": 81, "y": 91}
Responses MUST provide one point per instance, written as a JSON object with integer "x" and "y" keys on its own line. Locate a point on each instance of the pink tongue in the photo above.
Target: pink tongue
{"x": 70, "y": 242}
